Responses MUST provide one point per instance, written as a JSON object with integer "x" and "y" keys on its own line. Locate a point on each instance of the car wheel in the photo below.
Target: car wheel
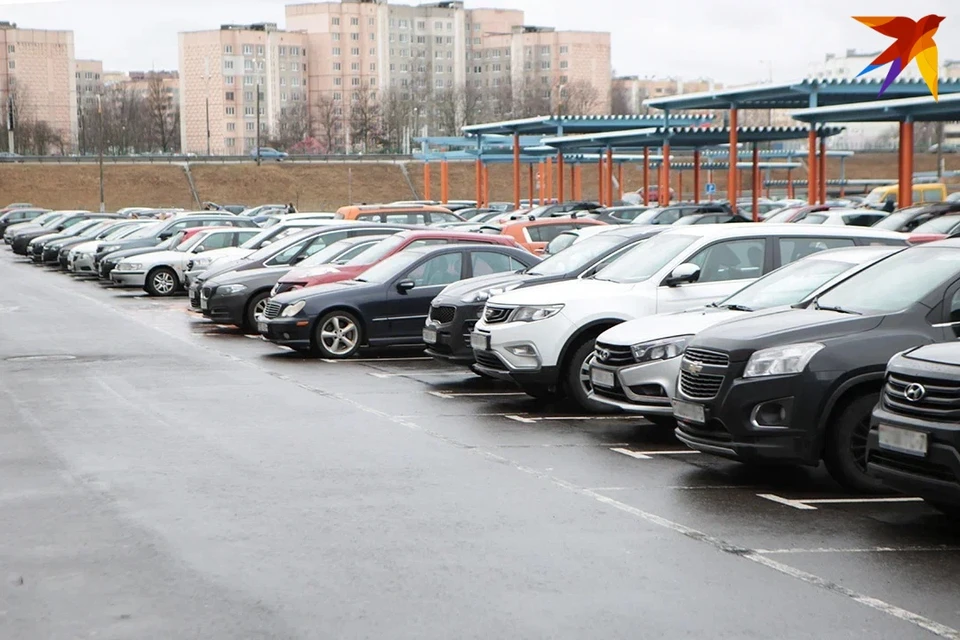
{"x": 577, "y": 379}
{"x": 255, "y": 307}
{"x": 162, "y": 282}
{"x": 845, "y": 453}
{"x": 338, "y": 335}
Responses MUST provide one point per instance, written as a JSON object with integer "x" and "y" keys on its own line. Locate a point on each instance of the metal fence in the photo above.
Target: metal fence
{"x": 193, "y": 159}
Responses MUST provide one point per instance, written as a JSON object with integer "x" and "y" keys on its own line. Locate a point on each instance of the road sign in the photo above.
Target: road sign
{"x": 711, "y": 188}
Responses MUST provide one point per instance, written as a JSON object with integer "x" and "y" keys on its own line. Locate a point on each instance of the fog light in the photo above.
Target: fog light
{"x": 523, "y": 350}
{"x": 774, "y": 414}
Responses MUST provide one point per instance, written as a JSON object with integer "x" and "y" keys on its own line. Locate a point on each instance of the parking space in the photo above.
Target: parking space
{"x": 892, "y": 559}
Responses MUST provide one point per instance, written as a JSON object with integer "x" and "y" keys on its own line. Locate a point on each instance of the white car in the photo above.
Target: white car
{"x": 572, "y": 236}
{"x": 80, "y": 257}
{"x": 542, "y": 337}
{"x": 160, "y": 273}
{"x": 852, "y": 217}
{"x": 636, "y": 364}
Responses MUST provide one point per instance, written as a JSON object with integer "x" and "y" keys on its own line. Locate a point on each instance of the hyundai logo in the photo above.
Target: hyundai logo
{"x": 603, "y": 354}
{"x": 915, "y": 392}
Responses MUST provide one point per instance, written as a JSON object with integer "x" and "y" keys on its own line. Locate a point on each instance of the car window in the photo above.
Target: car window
{"x": 955, "y": 309}
{"x": 406, "y": 218}
{"x": 707, "y": 220}
{"x": 243, "y": 236}
{"x": 731, "y": 260}
{"x": 437, "y": 271}
{"x": 861, "y": 219}
{"x": 485, "y": 263}
{"x": 426, "y": 242}
{"x": 323, "y": 240}
{"x": 217, "y": 241}
{"x": 668, "y": 217}
{"x": 439, "y": 216}
{"x": 546, "y": 232}
{"x": 792, "y": 249}
{"x": 812, "y": 218}
{"x": 352, "y": 252}
{"x": 560, "y": 243}
{"x": 288, "y": 254}
{"x": 943, "y": 224}
{"x": 643, "y": 261}
{"x": 929, "y": 195}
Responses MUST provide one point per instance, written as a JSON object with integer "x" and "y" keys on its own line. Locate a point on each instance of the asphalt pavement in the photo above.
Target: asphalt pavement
{"x": 162, "y": 477}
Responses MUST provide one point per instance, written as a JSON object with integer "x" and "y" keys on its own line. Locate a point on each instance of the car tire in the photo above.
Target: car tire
{"x": 845, "y": 451}
{"x": 254, "y": 306}
{"x": 576, "y": 379}
{"x": 162, "y": 282}
{"x": 338, "y": 335}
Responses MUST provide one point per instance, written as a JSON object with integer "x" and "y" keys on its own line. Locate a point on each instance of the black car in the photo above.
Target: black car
{"x": 238, "y": 297}
{"x": 798, "y": 386}
{"x": 559, "y": 210}
{"x": 64, "y": 246}
{"x": 288, "y": 252}
{"x": 673, "y": 213}
{"x": 619, "y": 215}
{"x": 21, "y": 238}
{"x": 455, "y": 311}
{"x": 914, "y": 441}
{"x": 46, "y": 249}
{"x": 20, "y": 216}
{"x": 908, "y": 219}
{"x": 386, "y": 306}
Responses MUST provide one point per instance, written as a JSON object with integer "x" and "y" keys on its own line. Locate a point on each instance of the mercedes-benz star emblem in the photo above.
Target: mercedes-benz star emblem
{"x": 603, "y": 354}
{"x": 914, "y": 392}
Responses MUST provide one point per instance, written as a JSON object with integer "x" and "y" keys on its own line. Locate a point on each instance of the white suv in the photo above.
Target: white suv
{"x": 543, "y": 337}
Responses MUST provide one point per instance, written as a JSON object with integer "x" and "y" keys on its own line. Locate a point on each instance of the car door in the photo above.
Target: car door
{"x": 791, "y": 249}
{"x": 407, "y": 311}
{"x": 726, "y": 266}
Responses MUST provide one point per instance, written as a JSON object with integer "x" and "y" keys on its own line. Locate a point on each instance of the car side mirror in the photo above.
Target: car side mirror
{"x": 265, "y": 243}
{"x": 686, "y": 273}
{"x": 298, "y": 260}
{"x": 405, "y": 285}
{"x": 166, "y": 235}
{"x": 200, "y": 249}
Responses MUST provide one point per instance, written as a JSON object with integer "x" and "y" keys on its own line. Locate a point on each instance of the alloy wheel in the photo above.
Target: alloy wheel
{"x": 339, "y": 335}
{"x": 164, "y": 283}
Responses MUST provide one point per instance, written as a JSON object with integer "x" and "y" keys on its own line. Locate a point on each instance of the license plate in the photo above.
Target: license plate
{"x": 903, "y": 440}
{"x": 204, "y": 304}
{"x": 602, "y": 378}
{"x": 689, "y": 411}
{"x": 480, "y": 341}
{"x": 430, "y": 336}
{"x": 261, "y": 327}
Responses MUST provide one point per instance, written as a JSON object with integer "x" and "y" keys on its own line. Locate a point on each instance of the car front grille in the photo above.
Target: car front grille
{"x": 272, "y": 310}
{"x": 912, "y": 465}
{"x": 614, "y": 355}
{"x": 195, "y": 298}
{"x": 707, "y": 357}
{"x": 206, "y": 293}
{"x": 701, "y": 386}
{"x": 939, "y": 400}
{"x": 496, "y": 315}
{"x": 443, "y": 314}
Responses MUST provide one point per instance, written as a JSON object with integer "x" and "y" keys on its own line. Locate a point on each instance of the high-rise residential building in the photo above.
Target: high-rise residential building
{"x": 141, "y": 83}
{"x": 221, "y": 74}
{"x": 629, "y": 92}
{"x": 89, "y": 76}
{"x": 37, "y": 70}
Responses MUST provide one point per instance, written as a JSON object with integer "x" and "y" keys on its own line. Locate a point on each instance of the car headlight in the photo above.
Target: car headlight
{"x": 781, "y": 361}
{"x": 129, "y": 266}
{"x": 201, "y": 263}
{"x": 230, "y": 289}
{"x": 293, "y": 309}
{"x": 485, "y": 294}
{"x": 110, "y": 248}
{"x": 534, "y": 314}
{"x": 660, "y": 349}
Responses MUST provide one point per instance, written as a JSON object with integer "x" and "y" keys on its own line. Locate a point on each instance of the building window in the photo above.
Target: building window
{"x": 283, "y": 82}
{"x": 259, "y": 65}
{"x": 438, "y": 40}
{"x": 355, "y": 51}
{"x": 335, "y": 22}
{"x": 355, "y": 82}
{"x": 338, "y": 81}
{"x": 546, "y": 94}
{"x": 337, "y": 96}
{"x": 564, "y": 64}
{"x": 404, "y": 38}
{"x": 449, "y": 39}
{"x": 337, "y": 66}
{"x": 295, "y": 82}
{"x": 248, "y": 49}
{"x": 228, "y": 64}
{"x": 564, "y": 79}
{"x": 393, "y": 67}
{"x": 248, "y": 111}
{"x": 354, "y": 22}
{"x": 336, "y": 51}
{"x": 476, "y": 41}
{"x": 12, "y": 64}
{"x": 228, "y": 96}
{"x": 355, "y": 37}
{"x": 259, "y": 49}
{"x": 544, "y": 51}
{"x": 437, "y": 26}
{"x": 373, "y": 51}
{"x": 248, "y": 81}
{"x": 248, "y": 65}
{"x": 231, "y": 111}
{"x": 439, "y": 83}
{"x": 373, "y": 67}
{"x": 404, "y": 24}
{"x": 251, "y": 126}
{"x": 476, "y": 27}
{"x": 373, "y": 37}
{"x": 227, "y": 49}
{"x": 371, "y": 22}
{"x": 545, "y": 64}
{"x": 354, "y": 66}
{"x": 336, "y": 37}
{"x": 282, "y": 51}
{"x": 421, "y": 24}
{"x": 231, "y": 126}
{"x": 283, "y": 66}
{"x": 283, "y": 97}
{"x": 373, "y": 82}
{"x": 421, "y": 39}
{"x": 230, "y": 142}
{"x": 248, "y": 96}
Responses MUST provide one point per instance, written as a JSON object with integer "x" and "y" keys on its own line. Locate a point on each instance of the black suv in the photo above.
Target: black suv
{"x": 799, "y": 385}
{"x": 455, "y": 312}
{"x": 914, "y": 443}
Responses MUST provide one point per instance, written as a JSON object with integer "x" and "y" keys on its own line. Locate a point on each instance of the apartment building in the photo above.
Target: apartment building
{"x": 38, "y": 68}
{"x": 221, "y": 74}
{"x": 629, "y": 92}
{"x": 89, "y": 77}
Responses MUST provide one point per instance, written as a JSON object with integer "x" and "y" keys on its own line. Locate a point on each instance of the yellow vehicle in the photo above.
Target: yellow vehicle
{"x": 922, "y": 194}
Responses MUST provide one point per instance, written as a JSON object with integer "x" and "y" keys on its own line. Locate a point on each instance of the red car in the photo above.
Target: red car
{"x": 307, "y": 276}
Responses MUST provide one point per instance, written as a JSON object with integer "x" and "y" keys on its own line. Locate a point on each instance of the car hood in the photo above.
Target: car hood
{"x": 946, "y": 353}
{"x": 323, "y": 273}
{"x": 471, "y": 285}
{"x": 228, "y": 253}
{"x": 154, "y": 257}
{"x": 117, "y": 256}
{"x": 88, "y": 246}
{"x": 316, "y": 295}
{"x": 138, "y": 243}
{"x": 760, "y": 330}
{"x": 562, "y": 292}
{"x": 667, "y": 325}
{"x": 253, "y": 277}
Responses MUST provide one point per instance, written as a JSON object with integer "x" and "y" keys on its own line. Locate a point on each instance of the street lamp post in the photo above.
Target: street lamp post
{"x": 100, "y": 127}
{"x": 258, "y": 126}
{"x": 206, "y": 62}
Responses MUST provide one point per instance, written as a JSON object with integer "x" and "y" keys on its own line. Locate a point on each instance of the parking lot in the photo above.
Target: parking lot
{"x": 219, "y": 482}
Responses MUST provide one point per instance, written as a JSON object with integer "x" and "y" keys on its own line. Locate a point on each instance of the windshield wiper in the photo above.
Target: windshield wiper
{"x": 819, "y": 307}
{"x": 734, "y": 307}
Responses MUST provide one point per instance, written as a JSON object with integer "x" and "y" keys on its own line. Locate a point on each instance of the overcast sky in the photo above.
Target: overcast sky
{"x": 733, "y": 41}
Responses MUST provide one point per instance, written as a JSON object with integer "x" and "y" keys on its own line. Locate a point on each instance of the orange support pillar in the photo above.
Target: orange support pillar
{"x": 813, "y": 187}
{"x": 790, "y": 183}
{"x": 609, "y": 201}
{"x": 444, "y": 182}
{"x": 646, "y": 176}
{"x": 680, "y": 185}
{"x": 755, "y": 180}
{"x": 478, "y": 169}
{"x": 426, "y": 180}
{"x": 541, "y": 182}
{"x": 578, "y": 179}
{"x": 732, "y": 187}
{"x": 664, "y": 190}
{"x": 573, "y": 183}
{"x": 906, "y": 164}
{"x": 600, "y": 188}
{"x": 516, "y": 170}
{"x": 822, "y": 170}
{"x": 560, "y": 193}
{"x": 620, "y": 181}
{"x": 486, "y": 184}
{"x": 531, "y": 195}
{"x": 549, "y": 179}
{"x": 696, "y": 175}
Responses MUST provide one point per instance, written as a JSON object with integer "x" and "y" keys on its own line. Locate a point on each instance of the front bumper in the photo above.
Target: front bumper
{"x": 934, "y": 477}
{"x": 453, "y": 337}
{"x": 80, "y": 263}
{"x": 19, "y": 245}
{"x": 225, "y": 309}
{"x": 50, "y": 255}
{"x": 128, "y": 278}
{"x": 644, "y": 389}
{"x": 105, "y": 268}
{"x": 286, "y": 332}
{"x": 733, "y": 425}
{"x": 545, "y": 337}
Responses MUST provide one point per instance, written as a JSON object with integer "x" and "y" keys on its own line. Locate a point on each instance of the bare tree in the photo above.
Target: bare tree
{"x": 578, "y": 98}
{"x": 397, "y": 117}
{"x": 449, "y": 109}
{"x": 531, "y": 99}
{"x": 621, "y": 103}
{"x": 500, "y": 102}
{"x": 293, "y": 125}
{"x": 164, "y": 119}
{"x": 365, "y": 120}
{"x": 328, "y": 120}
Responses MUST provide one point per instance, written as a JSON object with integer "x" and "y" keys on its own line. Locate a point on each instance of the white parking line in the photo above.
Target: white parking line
{"x": 807, "y": 505}
{"x": 452, "y": 372}
{"x": 648, "y": 455}
{"x": 447, "y": 395}
{"x": 532, "y": 419}
{"x": 352, "y": 360}
{"x": 933, "y": 549}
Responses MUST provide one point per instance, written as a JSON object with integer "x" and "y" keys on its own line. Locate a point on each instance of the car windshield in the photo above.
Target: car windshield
{"x": 787, "y": 285}
{"x": 329, "y": 254}
{"x": 876, "y": 196}
{"x": 943, "y": 224}
{"x": 896, "y": 283}
{"x": 49, "y": 222}
{"x": 391, "y": 267}
{"x": 577, "y": 256}
{"x": 272, "y": 249}
{"x": 894, "y": 221}
{"x": 124, "y": 232}
{"x": 378, "y": 252}
{"x": 193, "y": 241}
{"x": 648, "y": 216}
{"x": 644, "y": 261}
{"x": 148, "y": 231}
{"x": 560, "y": 243}
{"x": 782, "y": 216}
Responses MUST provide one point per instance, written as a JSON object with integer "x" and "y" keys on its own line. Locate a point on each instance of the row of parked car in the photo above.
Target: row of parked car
{"x": 759, "y": 342}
